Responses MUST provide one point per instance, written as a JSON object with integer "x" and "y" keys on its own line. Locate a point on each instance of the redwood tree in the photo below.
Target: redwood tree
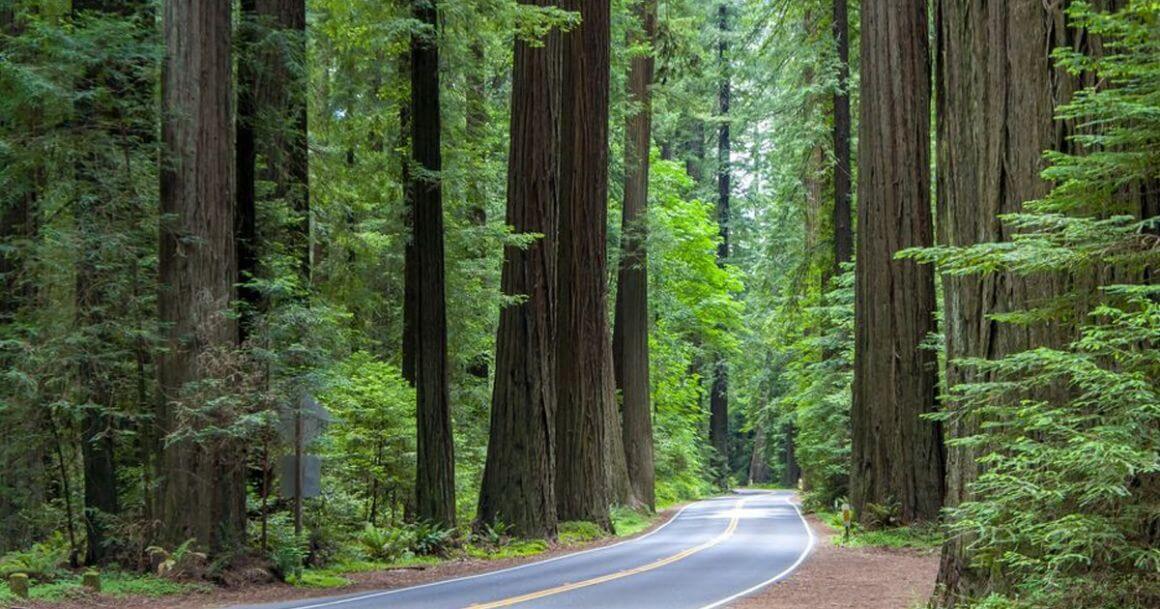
{"x": 843, "y": 229}
{"x": 519, "y": 477}
{"x": 896, "y": 454}
{"x": 202, "y": 490}
{"x": 582, "y": 342}
{"x": 719, "y": 397}
{"x": 272, "y": 127}
{"x": 630, "y": 335}
{"x": 996, "y": 91}
{"x": 435, "y": 481}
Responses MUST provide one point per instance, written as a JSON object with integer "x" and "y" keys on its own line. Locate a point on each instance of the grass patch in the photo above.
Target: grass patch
{"x": 630, "y": 522}
{"x": 322, "y": 578}
{"x": 919, "y": 537}
{"x": 575, "y": 532}
{"x": 517, "y": 548}
{"x": 113, "y": 584}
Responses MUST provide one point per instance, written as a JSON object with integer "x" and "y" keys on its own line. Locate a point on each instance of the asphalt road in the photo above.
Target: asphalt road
{"x": 709, "y": 554}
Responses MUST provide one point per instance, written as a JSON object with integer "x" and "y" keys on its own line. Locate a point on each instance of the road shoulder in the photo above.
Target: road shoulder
{"x": 218, "y": 597}
{"x": 843, "y": 578}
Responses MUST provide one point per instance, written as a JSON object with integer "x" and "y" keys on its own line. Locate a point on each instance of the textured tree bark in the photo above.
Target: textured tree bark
{"x": 896, "y": 455}
{"x": 202, "y": 490}
{"x": 759, "y": 472}
{"x": 719, "y": 398}
{"x": 410, "y": 262}
{"x": 630, "y": 335}
{"x": 843, "y": 230}
{"x": 435, "y": 480}
{"x": 581, "y": 470}
{"x": 619, "y": 485}
{"x": 996, "y": 89}
{"x": 519, "y": 475}
{"x": 792, "y": 472}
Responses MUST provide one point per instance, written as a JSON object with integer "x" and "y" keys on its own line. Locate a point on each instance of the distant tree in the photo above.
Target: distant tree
{"x": 630, "y": 335}
{"x": 435, "y": 481}
{"x": 719, "y": 397}
{"x": 843, "y": 227}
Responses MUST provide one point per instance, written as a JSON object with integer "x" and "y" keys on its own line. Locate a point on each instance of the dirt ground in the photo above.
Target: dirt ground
{"x": 850, "y": 578}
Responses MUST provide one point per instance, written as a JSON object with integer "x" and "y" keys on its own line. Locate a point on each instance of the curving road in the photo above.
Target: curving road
{"x": 709, "y": 554}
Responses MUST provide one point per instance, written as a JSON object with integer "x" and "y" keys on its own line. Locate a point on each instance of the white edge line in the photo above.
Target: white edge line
{"x": 363, "y": 597}
{"x": 779, "y": 576}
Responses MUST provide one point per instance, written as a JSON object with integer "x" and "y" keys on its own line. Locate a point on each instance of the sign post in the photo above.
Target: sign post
{"x": 847, "y": 521}
{"x": 301, "y": 473}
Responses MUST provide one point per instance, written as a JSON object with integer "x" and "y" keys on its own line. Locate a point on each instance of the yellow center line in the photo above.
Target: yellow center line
{"x": 507, "y": 602}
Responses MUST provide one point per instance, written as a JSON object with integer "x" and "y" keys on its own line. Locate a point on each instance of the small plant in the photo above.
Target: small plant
{"x": 182, "y": 562}
{"x": 430, "y": 539}
{"x": 288, "y": 558}
{"x": 386, "y": 545}
{"x": 493, "y": 535}
{"x": 42, "y": 562}
{"x": 883, "y": 515}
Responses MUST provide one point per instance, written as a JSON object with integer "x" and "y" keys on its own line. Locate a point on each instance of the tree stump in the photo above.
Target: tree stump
{"x": 18, "y": 584}
{"x": 92, "y": 581}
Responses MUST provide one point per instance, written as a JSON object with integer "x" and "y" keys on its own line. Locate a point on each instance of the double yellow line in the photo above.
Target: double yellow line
{"x": 515, "y": 600}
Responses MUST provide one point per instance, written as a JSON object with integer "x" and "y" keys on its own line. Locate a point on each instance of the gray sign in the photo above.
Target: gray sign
{"x": 311, "y": 475}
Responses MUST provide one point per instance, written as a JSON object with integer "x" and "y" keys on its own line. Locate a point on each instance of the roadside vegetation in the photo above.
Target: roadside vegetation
{"x": 339, "y": 286}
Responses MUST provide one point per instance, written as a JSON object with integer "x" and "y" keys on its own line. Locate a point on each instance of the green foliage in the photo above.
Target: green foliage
{"x": 696, "y": 313}
{"x": 1066, "y": 505}
{"x": 114, "y": 584}
{"x": 578, "y": 531}
{"x": 431, "y": 539}
{"x": 44, "y": 561}
{"x": 919, "y": 537}
{"x": 371, "y": 444}
{"x": 627, "y": 522}
{"x": 819, "y": 374}
{"x": 386, "y": 545}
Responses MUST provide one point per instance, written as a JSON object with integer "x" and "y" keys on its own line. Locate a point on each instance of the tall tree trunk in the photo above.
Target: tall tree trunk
{"x": 630, "y": 335}
{"x": 410, "y": 262}
{"x": 519, "y": 476}
{"x": 719, "y": 398}
{"x": 996, "y": 87}
{"x": 619, "y": 486}
{"x": 96, "y": 217}
{"x": 581, "y": 471}
{"x": 435, "y": 481}
{"x": 203, "y": 491}
{"x": 896, "y": 454}
{"x": 758, "y": 465}
{"x": 792, "y": 472}
{"x": 245, "y": 169}
{"x": 843, "y": 229}
{"x": 272, "y": 126}
{"x": 21, "y": 485}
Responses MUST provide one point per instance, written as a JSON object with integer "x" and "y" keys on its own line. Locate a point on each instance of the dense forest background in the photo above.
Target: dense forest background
{"x": 546, "y": 263}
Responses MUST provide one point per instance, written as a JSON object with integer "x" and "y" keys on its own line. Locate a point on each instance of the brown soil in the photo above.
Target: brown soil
{"x": 851, "y": 578}
{"x": 213, "y": 598}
